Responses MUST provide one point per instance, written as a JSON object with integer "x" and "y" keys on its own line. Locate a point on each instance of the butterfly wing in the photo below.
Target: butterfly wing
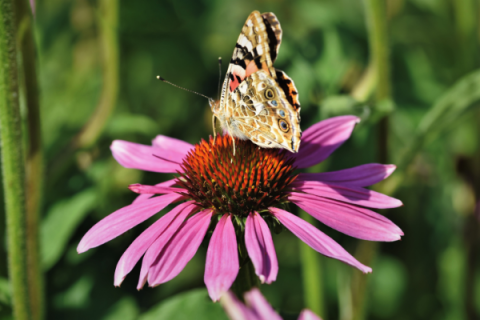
{"x": 252, "y": 116}
{"x": 256, "y": 49}
{"x": 263, "y": 112}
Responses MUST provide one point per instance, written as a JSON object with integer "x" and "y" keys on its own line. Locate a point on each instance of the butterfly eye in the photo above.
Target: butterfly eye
{"x": 281, "y": 113}
{"x": 274, "y": 103}
{"x": 283, "y": 125}
{"x": 269, "y": 94}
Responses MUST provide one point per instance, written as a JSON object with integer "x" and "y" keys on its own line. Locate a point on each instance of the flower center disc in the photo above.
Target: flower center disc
{"x": 251, "y": 180}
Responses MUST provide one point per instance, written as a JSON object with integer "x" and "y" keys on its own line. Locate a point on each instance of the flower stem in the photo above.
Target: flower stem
{"x": 13, "y": 164}
{"x": 108, "y": 24}
{"x": 376, "y": 16}
{"x": 312, "y": 275}
{"x": 34, "y": 163}
{"x": 107, "y": 19}
{"x": 246, "y": 278}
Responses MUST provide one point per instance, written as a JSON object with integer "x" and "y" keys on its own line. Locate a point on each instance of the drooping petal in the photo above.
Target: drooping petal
{"x": 355, "y": 195}
{"x": 354, "y": 221}
{"x": 221, "y": 267}
{"x": 139, "y": 156}
{"x": 175, "y": 145}
{"x": 308, "y": 315}
{"x": 145, "y": 196}
{"x": 138, "y": 247}
{"x": 316, "y": 239}
{"x": 361, "y": 176}
{"x": 154, "y": 250}
{"x": 261, "y": 251}
{"x": 180, "y": 249}
{"x": 146, "y": 189}
{"x": 124, "y": 219}
{"x": 260, "y": 305}
{"x": 321, "y": 139}
{"x": 235, "y": 309}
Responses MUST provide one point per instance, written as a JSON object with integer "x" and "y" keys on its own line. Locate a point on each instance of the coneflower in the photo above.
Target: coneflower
{"x": 240, "y": 196}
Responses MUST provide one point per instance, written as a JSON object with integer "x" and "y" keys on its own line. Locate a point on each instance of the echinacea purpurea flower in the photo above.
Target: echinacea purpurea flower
{"x": 242, "y": 195}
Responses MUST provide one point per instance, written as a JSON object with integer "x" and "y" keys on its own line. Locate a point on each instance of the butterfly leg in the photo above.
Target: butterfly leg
{"x": 233, "y": 139}
{"x": 214, "y": 125}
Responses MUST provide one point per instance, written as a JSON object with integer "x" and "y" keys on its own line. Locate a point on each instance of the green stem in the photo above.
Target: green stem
{"x": 34, "y": 163}
{"x": 13, "y": 163}
{"x": 246, "y": 278}
{"x": 107, "y": 18}
{"x": 108, "y": 23}
{"x": 376, "y": 15}
{"x": 312, "y": 275}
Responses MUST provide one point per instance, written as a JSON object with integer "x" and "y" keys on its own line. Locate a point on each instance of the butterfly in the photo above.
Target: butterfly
{"x": 258, "y": 102}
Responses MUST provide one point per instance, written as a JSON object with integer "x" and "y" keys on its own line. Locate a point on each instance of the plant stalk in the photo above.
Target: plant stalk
{"x": 34, "y": 157}
{"x": 312, "y": 275}
{"x": 376, "y": 17}
{"x": 13, "y": 165}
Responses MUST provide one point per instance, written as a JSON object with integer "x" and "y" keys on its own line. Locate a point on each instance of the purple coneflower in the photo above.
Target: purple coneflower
{"x": 239, "y": 197}
{"x": 256, "y": 308}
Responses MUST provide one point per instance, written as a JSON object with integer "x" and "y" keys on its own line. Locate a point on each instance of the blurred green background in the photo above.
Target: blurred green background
{"x": 104, "y": 55}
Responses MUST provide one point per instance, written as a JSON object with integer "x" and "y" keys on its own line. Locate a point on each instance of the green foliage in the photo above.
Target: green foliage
{"x": 195, "y": 304}
{"x": 60, "y": 223}
{"x": 434, "y": 139}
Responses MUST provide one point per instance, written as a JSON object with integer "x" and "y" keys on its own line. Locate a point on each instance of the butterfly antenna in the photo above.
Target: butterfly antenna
{"x": 219, "y": 75}
{"x": 202, "y": 95}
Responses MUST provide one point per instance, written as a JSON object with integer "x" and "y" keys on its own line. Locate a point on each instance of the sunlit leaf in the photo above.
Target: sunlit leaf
{"x": 60, "y": 223}
{"x": 125, "y": 309}
{"x": 193, "y": 304}
{"x": 5, "y": 292}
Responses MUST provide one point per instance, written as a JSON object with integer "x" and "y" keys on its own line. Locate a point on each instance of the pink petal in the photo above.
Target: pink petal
{"x": 139, "y": 156}
{"x": 146, "y": 189}
{"x": 168, "y": 183}
{"x": 124, "y": 219}
{"x": 156, "y": 248}
{"x": 308, "y": 315}
{"x": 235, "y": 309}
{"x": 321, "y": 139}
{"x": 138, "y": 247}
{"x": 361, "y": 176}
{"x": 260, "y": 305}
{"x": 354, "y": 221}
{"x": 180, "y": 249}
{"x": 355, "y": 195}
{"x": 222, "y": 266}
{"x": 316, "y": 239}
{"x": 261, "y": 251}
{"x": 175, "y": 145}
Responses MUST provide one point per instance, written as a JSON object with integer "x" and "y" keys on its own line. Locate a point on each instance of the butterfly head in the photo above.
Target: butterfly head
{"x": 214, "y": 105}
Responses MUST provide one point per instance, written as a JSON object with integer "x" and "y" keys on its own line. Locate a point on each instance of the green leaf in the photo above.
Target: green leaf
{"x": 60, "y": 223}
{"x": 339, "y": 105}
{"x": 5, "y": 291}
{"x": 446, "y": 111}
{"x": 76, "y": 296}
{"x": 125, "y": 309}
{"x": 194, "y": 304}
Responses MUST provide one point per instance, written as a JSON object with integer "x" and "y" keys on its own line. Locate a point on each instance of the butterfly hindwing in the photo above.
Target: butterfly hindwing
{"x": 263, "y": 113}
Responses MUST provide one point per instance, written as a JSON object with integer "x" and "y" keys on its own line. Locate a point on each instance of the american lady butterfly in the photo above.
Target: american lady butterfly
{"x": 259, "y": 102}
